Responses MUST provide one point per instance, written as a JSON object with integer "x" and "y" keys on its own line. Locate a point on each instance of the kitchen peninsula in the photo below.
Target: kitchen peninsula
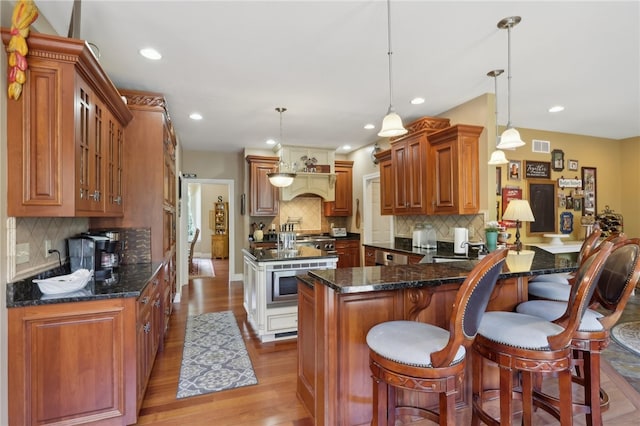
{"x": 336, "y": 309}
{"x": 270, "y": 287}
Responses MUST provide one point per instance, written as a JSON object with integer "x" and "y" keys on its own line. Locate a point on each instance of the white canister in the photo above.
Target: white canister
{"x": 258, "y": 235}
{"x": 460, "y": 236}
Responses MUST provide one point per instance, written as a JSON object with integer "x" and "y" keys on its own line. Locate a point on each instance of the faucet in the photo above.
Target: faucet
{"x": 480, "y": 246}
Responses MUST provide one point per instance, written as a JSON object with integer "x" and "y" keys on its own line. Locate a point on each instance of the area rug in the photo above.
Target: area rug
{"x": 202, "y": 268}
{"x": 627, "y": 334}
{"x": 214, "y": 357}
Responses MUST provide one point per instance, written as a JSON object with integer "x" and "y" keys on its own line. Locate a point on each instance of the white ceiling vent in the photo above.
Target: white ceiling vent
{"x": 540, "y": 146}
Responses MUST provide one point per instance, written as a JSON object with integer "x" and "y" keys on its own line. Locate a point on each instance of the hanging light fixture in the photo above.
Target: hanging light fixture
{"x": 510, "y": 138}
{"x": 392, "y": 123}
{"x": 284, "y": 176}
{"x": 497, "y": 156}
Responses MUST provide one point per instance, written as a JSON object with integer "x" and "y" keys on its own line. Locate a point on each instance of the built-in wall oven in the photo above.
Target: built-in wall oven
{"x": 282, "y": 286}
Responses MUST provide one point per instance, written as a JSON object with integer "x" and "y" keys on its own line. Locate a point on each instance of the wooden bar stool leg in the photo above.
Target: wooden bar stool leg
{"x": 592, "y": 388}
{"x": 380, "y": 389}
{"x": 506, "y": 396}
{"x": 527, "y": 397}
{"x": 476, "y": 387}
{"x": 447, "y": 409}
{"x": 391, "y": 406}
{"x": 566, "y": 398}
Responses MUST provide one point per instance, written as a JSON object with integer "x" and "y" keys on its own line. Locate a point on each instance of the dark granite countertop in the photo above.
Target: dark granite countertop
{"x": 302, "y": 253}
{"x": 403, "y": 245}
{"x": 131, "y": 280}
{"x": 376, "y": 278}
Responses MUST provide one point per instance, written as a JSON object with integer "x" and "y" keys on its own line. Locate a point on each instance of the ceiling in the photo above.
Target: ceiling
{"x": 234, "y": 62}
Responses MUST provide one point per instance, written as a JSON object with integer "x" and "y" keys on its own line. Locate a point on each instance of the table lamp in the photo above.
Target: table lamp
{"x": 520, "y": 211}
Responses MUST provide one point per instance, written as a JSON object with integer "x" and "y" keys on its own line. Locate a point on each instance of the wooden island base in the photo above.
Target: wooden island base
{"x": 334, "y": 379}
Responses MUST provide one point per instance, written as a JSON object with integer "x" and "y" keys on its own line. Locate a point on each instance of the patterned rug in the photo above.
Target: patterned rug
{"x": 627, "y": 334}
{"x": 214, "y": 357}
{"x": 202, "y": 268}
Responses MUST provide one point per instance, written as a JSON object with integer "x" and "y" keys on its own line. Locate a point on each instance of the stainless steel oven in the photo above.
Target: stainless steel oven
{"x": 282, "y": 286}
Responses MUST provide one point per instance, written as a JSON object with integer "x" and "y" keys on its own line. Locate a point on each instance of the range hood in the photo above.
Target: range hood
{"x": 320, "y": 184}
{"x": 313, "y": 178}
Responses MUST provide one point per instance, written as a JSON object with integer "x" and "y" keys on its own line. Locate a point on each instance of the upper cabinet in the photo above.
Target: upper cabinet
{"x": 263, "y": 197}
{"x": 65, "y": 134}
{"x": 454, "y": 168}
{"x": 343, "y": 204}
{"x": 433, "y": 169}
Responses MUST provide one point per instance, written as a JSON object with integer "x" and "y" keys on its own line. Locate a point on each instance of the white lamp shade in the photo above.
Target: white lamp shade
{"x": 519, "y": 261}
{"x": 518, "y": 210}
{"x": 392, "y": 126}
{"x": 498, "y": 157}
{"x": 510, "y": 139}
{"x": 281, "y": 179}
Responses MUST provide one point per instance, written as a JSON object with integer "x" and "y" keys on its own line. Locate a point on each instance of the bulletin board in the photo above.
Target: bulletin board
{"x": 542, "y": 199}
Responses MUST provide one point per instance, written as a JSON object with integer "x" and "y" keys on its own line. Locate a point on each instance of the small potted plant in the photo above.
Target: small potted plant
{"x": 491, "y": 230}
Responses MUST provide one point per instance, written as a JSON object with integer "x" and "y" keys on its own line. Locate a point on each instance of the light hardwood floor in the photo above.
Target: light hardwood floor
{"x": 272, "y": 402}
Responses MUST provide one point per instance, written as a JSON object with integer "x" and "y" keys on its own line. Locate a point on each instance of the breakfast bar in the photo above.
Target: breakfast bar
{"x": 336, "y": 309}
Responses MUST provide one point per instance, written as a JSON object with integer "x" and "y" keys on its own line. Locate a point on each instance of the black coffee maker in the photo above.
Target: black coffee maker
{"x": 99, "y": 253}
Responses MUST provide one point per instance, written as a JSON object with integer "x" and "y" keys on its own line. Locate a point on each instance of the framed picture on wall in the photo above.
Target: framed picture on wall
{"x": 515, "y": 170}
{"x": 557, "y": 160}
{"x": 572, "y": 165}
{"x": 589, "y": 188}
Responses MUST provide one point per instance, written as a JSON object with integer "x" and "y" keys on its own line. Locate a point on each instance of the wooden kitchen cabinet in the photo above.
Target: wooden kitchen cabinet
{"x": 454, "y": 168}
{"x": 73, "y": 363}
{"x": 404, "y": 176}
{"x": 348, "y": 253}
{"x": 150, "y": 182}
{"x": 386, "y": 182}
{"x": 149, "y": 333}
{"x": 343, "y": 204}
{"x": 264, "y": 198}
{"x": 58, "y": 133}
{"x": 369, "y": 256}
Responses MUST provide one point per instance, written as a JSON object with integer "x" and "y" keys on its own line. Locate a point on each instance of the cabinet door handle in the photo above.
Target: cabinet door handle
{"x": 145, "y": 300}
{"x": 147, "y": 327}
{"x": 156, "y": 303}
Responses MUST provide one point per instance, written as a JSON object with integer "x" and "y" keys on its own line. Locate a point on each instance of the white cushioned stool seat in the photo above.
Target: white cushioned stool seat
{"x": 551, "y": 310}
{"x": 551, "y": 290}
{"x": 517, "y": 330}
{"x": 409, "y": 342}
{"x": 556, "y": 278}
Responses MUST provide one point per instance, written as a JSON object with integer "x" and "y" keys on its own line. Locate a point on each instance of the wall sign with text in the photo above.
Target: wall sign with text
{"x": 537, "y": 169}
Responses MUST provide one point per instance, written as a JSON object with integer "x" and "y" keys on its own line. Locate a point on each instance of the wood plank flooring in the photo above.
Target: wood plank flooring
{"x": 272, "y": 402}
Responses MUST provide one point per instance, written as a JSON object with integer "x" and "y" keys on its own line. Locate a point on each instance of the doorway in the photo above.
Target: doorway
{"x": 377, "y": 228}
{"x": 190, "y": 203}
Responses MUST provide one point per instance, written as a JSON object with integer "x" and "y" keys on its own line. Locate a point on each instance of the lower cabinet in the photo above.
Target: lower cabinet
{"x": 369, "y": 256}
{"x": 83, "y": 362}
{"x": 219, "y": 246}
{"x": 348, "y": 253}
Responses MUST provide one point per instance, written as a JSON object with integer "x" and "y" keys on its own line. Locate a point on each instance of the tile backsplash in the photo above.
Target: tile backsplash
{"x": 442, "y": 224}
{"x": 34, "y": 232}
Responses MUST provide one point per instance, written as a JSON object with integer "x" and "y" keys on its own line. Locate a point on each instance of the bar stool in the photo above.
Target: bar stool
{"x": 527, "y": 344}
{"x": 618, "y": 279}
{"x": 426, "y": 358}
{"x": 557, "y": 286}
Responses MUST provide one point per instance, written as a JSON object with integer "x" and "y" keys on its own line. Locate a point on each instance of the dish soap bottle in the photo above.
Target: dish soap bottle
{"x": 430, "y": 238}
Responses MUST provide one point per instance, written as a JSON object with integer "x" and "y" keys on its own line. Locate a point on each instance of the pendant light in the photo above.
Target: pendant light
{"x": 392, "y": 123}
{"x": 283, "y": 177}
{"x": 497, "y": 156}
{"x": 510, "y": 138}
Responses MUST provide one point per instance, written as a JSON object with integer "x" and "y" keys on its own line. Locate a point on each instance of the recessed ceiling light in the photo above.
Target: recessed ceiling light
{"x": 417, "y": 101}
{"x": 195, "y": 116}
{"x": 346, "y": 147}
{"x": 150, "y": 53}
{"x": 369, "y": 126}
{"x": 556, "y": 108}
{"x": 270, "y": 142}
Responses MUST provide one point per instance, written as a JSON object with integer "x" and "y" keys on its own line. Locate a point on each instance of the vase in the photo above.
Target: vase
{"x": 492, "y": 240}
{"x": 258, "y": 235}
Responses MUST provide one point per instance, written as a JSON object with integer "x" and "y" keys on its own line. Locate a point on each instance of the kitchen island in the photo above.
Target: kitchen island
{"x": 336, "y": 309}
{"x": 85, "y": 356}
{"x": 270, "y": 287}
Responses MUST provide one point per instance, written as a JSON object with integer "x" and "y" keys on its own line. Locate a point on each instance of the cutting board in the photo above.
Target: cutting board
{"x": 357, "y": 213}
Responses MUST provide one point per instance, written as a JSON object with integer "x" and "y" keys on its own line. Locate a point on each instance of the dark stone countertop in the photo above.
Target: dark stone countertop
{"x": 131, "y": 280}
{"x": 273, "y": 255}
{"x": 376, "y": 278}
